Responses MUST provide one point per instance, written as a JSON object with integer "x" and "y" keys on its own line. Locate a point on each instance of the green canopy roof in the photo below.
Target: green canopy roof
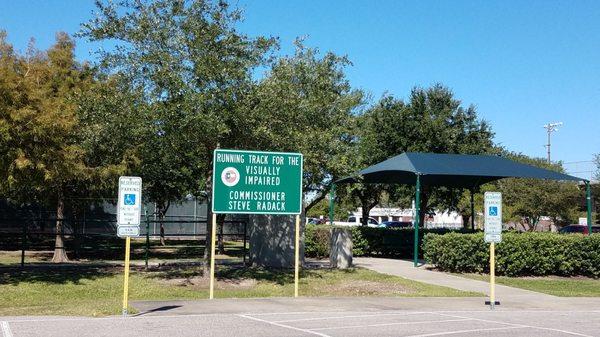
{"x": 451, "y": 170}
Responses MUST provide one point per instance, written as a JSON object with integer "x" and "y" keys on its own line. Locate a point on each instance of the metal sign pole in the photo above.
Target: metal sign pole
{"x": 492, "y": 275}
{"x": 417, "y": 221}
{"x": 588, "y": 191}
{"x": 297, "y": 256}
{"x": 472, "y": 210}
{"x": 212, "y": 255}
{"x": 331, "y": 204}
{"x": 492, "y": 212}
{"x": 147, "y": 237}
{"x": 128, "y": 222}
{"x": 126, "y": 279}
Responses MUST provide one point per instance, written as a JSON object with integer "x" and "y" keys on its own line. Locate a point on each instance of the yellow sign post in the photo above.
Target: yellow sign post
{"x": 129, "y": 209}
{"x": 297, "y": 256}
{"x": 126, "y": 279}
{"x": 212, "y": 255}
{"x": 492, "y": 275}
{"x": 493, "y": 234}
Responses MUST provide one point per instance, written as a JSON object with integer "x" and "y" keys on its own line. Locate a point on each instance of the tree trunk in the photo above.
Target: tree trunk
{"x": 162, "y": 211}
{"x": 162, "y": 231}
{"x": 366, "y": 208}
{"x": 316, "y": 200}
{"x": 60, "y": 254}
{"x": 466, "y": 221}
{"x": 207, "y": 240}
{"x": 365, "y": 213}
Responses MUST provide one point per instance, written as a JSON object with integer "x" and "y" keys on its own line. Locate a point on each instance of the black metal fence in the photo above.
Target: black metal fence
{"x": 38, "y": 235}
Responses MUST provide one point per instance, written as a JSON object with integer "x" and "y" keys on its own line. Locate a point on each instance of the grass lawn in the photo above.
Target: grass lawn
{"x": 552, "y": 285}
{"x": 82, "y": 290}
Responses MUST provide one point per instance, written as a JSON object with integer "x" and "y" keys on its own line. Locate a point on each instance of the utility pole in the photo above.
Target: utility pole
{"x": 551, "y": 127}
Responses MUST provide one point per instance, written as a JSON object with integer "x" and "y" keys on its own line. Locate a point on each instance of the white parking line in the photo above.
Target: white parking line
{"x": 465, "y": 331}
{"x": 520, "y": 325}
{"x": 6, "y": 329}
{"x": 284, "y": 326}
{"x": 387, "y": 324}
{"x": 349, "y": 316}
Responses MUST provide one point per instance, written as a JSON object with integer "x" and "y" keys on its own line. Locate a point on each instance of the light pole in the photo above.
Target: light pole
{"x": 551, "y": 127}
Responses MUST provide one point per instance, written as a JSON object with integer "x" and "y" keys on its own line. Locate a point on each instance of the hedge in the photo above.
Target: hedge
{"x": 519, "y": 254}
{"x": 367, "y": 241}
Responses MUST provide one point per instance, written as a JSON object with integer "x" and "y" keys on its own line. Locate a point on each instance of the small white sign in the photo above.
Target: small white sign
{"x": 583, "y": 221}
{"x": 493, "y": 216}
{"x": 129, "y": 206}
{"x": 125, "y": 231}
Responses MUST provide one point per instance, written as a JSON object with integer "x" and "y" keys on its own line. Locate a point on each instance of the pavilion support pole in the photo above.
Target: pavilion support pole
{"x": 331, "y": 203}
{"x": 588, "y": 190}
{"x": 417, "y": 220}
{"x": 472, "y": 210}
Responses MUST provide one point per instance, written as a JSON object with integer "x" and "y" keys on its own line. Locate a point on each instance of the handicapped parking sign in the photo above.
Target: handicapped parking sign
{"x": 129, "y": 202}
{"x": 129, "y": 199}
{"x": 493, "y": 211}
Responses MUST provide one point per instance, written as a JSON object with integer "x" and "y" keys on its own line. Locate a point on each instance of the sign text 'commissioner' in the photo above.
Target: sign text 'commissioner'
{"x": 257, "y": 182}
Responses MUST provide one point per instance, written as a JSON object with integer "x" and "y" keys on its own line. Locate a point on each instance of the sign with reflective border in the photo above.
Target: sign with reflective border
{"x": 125, "y": 231}
{"x": 129, "y": 204}
{"x": 493, "y": 216}
{"x": 255, "y": 182}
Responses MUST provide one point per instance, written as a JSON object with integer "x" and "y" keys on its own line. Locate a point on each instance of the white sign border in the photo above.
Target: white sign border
{"x": 212, "y": 204}
{"x": 119, "y": 201}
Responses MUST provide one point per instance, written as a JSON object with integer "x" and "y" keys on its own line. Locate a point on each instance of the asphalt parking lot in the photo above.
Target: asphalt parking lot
{"x": 318, "y": 322}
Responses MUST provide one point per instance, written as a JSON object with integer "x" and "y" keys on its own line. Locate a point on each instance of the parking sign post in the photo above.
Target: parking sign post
{"x": 129, "y": 211}
{"x": 297, "y": 256}
{"x": 212, "y": 255}
{"x": 493, "y": 234}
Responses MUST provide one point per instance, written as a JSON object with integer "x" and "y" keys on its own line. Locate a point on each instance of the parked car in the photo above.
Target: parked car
{"x": 316, "y": 221}
{"x": 570, "y": 229}
{"x": 372, "y": 222}
{"x": 396, "y": 224}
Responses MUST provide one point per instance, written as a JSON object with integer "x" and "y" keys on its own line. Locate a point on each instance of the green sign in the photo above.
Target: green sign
{"x": 254, "y": 182}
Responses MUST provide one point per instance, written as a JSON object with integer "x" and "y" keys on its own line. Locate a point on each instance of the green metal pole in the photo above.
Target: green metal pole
{"x": 147, "y": 236}
{"x": 23, "y": 244}
{"x": 589, "y": 206}
{"x": 417, "y": 220}
{"x": 331, "y": 203}
{"x": 472, "y": 211}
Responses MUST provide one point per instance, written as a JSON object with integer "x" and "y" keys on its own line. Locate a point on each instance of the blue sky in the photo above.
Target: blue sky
{"x": 522, "y": 64}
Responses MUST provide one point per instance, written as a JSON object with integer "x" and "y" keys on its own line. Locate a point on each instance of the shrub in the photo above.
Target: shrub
{"x": 367, "y": 241}
{"x": 519, "y": 254}
{"x": 316, "y": 241}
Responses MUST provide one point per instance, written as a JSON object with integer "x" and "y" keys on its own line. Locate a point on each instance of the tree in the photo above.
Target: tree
{"x": 191, "y": 68}
{"x": 306, "y": 104}
{"x": 527, "y": 200}
{"x": 43, "y": 160}
{"x": 432, "y": 120}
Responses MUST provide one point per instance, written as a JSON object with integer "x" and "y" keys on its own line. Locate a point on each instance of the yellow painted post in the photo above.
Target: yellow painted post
{"x": 492, "y": 275}
{"x": 297, "y": 256}
{"x": 212, "y": 255}
{"x": 126, "y": 280}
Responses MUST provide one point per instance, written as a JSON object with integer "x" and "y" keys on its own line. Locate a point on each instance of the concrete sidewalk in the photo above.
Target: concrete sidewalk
{"x": 515, "y": 297}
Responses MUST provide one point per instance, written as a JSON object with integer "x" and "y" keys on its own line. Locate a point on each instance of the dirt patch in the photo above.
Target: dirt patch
{"x": 364, "y": 288}
{"x": 200, "y": 282}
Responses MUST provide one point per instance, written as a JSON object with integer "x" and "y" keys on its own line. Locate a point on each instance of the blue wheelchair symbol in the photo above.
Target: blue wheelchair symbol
{"x": 129, "y": 199}
{"x": 493, "y": 211}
